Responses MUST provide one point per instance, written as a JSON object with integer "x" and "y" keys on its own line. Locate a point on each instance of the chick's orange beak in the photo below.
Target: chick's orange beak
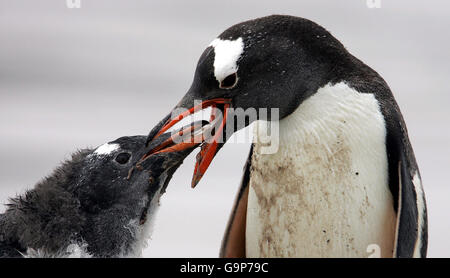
{"x": 208, "y": 135}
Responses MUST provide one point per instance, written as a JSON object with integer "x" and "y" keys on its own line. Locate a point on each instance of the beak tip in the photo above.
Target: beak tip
{"x": 195, "y": 180}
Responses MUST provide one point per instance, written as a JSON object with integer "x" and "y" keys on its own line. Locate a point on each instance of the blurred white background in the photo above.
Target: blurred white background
{"x": 72, "y": 78}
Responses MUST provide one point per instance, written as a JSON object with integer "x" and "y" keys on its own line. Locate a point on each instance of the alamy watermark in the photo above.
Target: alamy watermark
{"x": 373, "y": 4}
{"x": 374, "y": 250}
{"x": 73, "y": 4}
{"x": 266, "y": 129}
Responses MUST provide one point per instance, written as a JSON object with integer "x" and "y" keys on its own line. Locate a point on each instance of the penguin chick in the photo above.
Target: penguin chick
{"x": 100, "y": 203}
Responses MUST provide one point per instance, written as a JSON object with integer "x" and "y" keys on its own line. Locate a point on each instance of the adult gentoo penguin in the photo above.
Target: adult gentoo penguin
{"x": 344, "y": 179}
{"x": 92, "y": 205}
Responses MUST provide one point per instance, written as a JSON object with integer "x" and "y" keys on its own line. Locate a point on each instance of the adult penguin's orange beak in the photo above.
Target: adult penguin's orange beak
{"x": 210, "y": 135}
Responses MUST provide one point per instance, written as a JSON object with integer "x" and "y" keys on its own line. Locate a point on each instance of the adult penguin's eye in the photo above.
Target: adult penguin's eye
{"x": 229, "y": 82}
{"x": 123, "y": 158}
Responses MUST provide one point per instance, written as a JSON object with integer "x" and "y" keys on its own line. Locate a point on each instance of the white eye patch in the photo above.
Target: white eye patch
{"x": 106, "y": 149}
{"x": 227, "y": 53}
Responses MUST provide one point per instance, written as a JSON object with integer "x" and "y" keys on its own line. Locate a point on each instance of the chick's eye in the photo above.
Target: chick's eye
{"x": 229, "y": 81}
{"x": 123, "y": 158}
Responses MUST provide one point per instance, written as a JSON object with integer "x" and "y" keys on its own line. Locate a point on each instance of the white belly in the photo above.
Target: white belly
{"x": 325, "y": 192}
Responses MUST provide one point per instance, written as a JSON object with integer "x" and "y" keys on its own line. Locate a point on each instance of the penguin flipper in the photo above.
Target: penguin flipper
{"x": 233, "y": 243}
{"x": 409, "y": 200}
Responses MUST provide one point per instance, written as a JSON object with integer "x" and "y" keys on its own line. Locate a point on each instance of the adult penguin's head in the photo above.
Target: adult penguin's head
{"x": 269, "y": 64}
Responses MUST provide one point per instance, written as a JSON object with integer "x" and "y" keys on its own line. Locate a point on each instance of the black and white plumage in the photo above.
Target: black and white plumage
{"x": 93, "y": 205}
{"x": 344, "y": 178}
